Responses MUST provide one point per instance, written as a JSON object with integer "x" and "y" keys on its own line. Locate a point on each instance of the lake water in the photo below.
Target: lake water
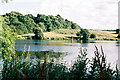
{"x": 72, "y": 49}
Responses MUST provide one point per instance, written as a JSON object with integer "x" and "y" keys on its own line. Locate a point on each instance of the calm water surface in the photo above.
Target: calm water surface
{"x": 72, "y": 49}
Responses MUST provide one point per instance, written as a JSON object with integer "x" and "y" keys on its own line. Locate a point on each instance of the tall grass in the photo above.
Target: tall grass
{"x": 82, "y": 69}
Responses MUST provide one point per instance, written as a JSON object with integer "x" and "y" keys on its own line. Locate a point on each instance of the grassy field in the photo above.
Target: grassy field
{"x": 61, "y": 34}
{"x": 65, "y": 33}
{"x": 104, "y": 34}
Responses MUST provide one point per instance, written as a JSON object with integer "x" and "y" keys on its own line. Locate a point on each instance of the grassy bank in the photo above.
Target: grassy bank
{"x": 66, "y": 34}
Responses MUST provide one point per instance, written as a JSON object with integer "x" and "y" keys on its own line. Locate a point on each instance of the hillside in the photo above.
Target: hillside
{"x": 65, "y": 33}
{"x": 24, "y": 24}
{"x": 72, "y": 33}
{"x": 52, "y": 27}
{"x": 104, "y": 34}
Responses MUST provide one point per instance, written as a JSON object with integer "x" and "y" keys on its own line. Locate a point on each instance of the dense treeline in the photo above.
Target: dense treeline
{"x": 23, "y": 24}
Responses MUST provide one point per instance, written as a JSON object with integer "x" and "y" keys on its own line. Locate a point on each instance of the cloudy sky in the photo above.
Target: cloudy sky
{"x": 90, "y": 14}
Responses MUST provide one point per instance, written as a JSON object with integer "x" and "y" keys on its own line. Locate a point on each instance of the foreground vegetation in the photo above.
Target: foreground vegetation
{"x": 23, "y": 67}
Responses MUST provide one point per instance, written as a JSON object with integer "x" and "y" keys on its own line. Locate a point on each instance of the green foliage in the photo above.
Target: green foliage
{"x": 7, "y": 45}
{"x": 57, "y": 71}
{"x": 117, "y": 31}
{"x": 92, "y": 36}
{"x": 74, "y": 26}
{"x": 14, "y": 20}
{"x": 118, "y": 36}
{"x": 38, "y": 34}
{"x": 84, "y": 35}
{"x": 19, "y": 69}
{"x": 79, "y": 70}
{"x": 42, "y": 26}
{"x": 23, "y": 24}
{"x": 1, "y": 23}
{"x": 7, "y": 42}
{"x": 99, "y": 67}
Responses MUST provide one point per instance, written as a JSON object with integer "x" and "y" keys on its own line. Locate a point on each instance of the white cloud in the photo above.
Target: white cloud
{"x": 100, "y": 14}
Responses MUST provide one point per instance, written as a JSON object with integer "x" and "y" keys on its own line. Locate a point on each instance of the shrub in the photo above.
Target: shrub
{"x": 118, "y": 36}
{"x": 78, "y": 34}
{"x": 79, "y": 69}
{"x": 57, "y": 71}
{"x": 117, "y": 31}
{"x": 52, "y": 38}
{"x": 99, "y": 67}
{"x": 92, "y": 36}
{"x": 38, "y": 34}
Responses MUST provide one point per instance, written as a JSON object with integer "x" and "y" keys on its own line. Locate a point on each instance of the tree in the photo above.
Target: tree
{"x": 38, "y": 34}
{"x": 22, "y": 24}
{"x": 78, "y": 34}
{"x": 28, "y": 23}
{"x": 92, "y": 36}
{"x": 7, "y": 41}
{"x": 118, "y": 36}
{"x": 74, "y": 26}
{"x": 117, "y": 31}
{"x": 42, "y": 26}
{"x": 30, "y": 16}
{"x": 84, "y": 35}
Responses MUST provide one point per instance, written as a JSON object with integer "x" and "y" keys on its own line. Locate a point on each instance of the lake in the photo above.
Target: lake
{"x": 110, "y": 48}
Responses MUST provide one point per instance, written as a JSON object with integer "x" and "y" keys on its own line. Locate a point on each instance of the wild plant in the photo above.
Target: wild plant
{"x": 100, "y": 69}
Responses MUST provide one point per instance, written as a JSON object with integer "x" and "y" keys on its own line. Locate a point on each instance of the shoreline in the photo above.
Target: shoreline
{"x": 68, "y": 34}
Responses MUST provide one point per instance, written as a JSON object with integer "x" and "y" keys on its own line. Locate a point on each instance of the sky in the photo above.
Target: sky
{"x": 89, "y": 14}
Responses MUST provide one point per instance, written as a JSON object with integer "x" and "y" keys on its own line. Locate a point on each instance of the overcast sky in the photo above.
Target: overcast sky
{"x": 90, "y": 14}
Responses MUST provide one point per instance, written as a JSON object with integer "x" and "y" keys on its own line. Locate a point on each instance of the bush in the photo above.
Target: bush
{"x": 118, "y": 36}
{"x": 117, "y": 31}
{"x": 84, "y": 35}
{"x": 79, "y": 69}
{"x": 52, "y": 38}
{"x": 38, "y": 34}
{"x": 78, "y": 34}
{"x": 92, "y": 36}
{"x": 57, "y": 71}
{"x": 99, "y": 68}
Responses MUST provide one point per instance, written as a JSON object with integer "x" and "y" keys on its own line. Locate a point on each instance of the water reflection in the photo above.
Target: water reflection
{"x": 84, "y": 45}
{"x": 110, "y": 48}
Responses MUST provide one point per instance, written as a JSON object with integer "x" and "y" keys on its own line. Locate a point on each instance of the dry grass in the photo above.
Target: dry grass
{"x": 30, "y": 34}
{"x": 99, "y": 33}
{"x": 104, "y": 34}
{"x": 24, "y": 36}
{"x": 64, "y": 33}
{"x": 61, "y": 33}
